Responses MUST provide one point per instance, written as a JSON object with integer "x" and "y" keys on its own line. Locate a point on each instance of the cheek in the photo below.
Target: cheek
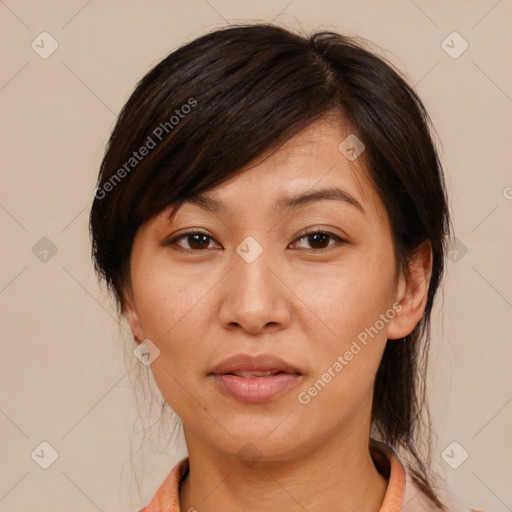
{"x": 348, "y": 298}
{"x": 171, "y": 308}
{"x": 168, "y": 298}
{"x": 170, "y": 319}
{"x": 354, "y": 303}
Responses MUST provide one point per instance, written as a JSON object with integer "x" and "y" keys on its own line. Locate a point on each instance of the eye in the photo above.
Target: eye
{"x": 196, "y": 240}
{"x": 317, "y": 239}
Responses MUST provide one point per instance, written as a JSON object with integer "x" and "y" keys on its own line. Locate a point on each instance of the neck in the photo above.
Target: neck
{"x": 337, "y": 474}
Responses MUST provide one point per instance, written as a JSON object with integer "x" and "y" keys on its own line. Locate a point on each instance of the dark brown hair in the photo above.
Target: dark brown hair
{"x": 212, "y": 106}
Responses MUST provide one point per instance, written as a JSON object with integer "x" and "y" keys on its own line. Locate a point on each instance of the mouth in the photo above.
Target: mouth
{"x": 255, "y": 379}
{"x": 246, "y": 365}
{"x": 250, "y": 374}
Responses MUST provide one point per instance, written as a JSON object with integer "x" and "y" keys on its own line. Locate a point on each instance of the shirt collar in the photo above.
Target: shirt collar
{"x": 166, "y": 498}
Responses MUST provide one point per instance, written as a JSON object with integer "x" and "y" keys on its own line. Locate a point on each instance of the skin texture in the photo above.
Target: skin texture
{"x": 201, "y": 303}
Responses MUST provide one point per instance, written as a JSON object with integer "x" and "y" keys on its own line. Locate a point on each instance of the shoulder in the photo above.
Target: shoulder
{"x": 402, "y": 485}
{"x": 416, "y": 501}
{"x": 166, "y": 498}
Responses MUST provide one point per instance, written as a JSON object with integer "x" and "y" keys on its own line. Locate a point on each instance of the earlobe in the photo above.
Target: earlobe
{"x": 412, "y": 293}
{"x": 132, "y": 317}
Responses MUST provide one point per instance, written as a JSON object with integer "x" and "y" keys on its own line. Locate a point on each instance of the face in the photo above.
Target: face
{"x": 308, "y": 314}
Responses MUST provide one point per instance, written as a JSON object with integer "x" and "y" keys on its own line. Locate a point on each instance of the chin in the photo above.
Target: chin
{"x": 254, "y": 441}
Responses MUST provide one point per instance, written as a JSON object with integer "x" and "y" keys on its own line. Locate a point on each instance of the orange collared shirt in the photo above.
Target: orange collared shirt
{"x": 401, "y": 494}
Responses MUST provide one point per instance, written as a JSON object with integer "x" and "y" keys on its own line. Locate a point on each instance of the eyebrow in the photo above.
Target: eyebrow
{"x": 284, "y": 204}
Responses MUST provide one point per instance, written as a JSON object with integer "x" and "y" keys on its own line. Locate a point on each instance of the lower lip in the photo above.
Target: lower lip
{"x": 256, "y": 390}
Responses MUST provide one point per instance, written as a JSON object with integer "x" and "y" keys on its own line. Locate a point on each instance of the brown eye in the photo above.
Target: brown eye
{"x": 196, "y": 240}
{"x": 319, "y": 240}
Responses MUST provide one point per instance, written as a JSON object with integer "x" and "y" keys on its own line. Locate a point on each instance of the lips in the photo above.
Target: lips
{"x": 255, "y": 379}
{"x": 254, "y": 373}
{"x": 263, "y": 365}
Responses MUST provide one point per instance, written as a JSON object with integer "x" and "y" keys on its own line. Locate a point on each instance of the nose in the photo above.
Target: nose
{"x": 254, "y": 298}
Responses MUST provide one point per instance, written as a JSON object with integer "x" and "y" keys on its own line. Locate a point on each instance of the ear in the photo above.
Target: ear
{"x": 412, "y": 293}
{"x": 132, "y": 317}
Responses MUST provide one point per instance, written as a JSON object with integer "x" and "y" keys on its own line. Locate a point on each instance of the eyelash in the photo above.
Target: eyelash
{"x": 173, "y": 241}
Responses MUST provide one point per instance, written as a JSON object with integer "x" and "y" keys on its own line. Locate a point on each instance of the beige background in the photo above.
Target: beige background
{"x": 64, "y": 379}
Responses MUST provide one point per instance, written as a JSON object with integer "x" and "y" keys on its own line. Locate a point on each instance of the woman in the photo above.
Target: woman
{"x": 271, "y": 218}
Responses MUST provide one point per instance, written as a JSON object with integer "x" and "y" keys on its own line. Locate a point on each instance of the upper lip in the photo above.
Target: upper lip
{"x": 247, "y": 363}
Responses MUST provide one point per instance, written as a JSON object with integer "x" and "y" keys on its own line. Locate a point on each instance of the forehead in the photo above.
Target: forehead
{"x": 309, "y": 165}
